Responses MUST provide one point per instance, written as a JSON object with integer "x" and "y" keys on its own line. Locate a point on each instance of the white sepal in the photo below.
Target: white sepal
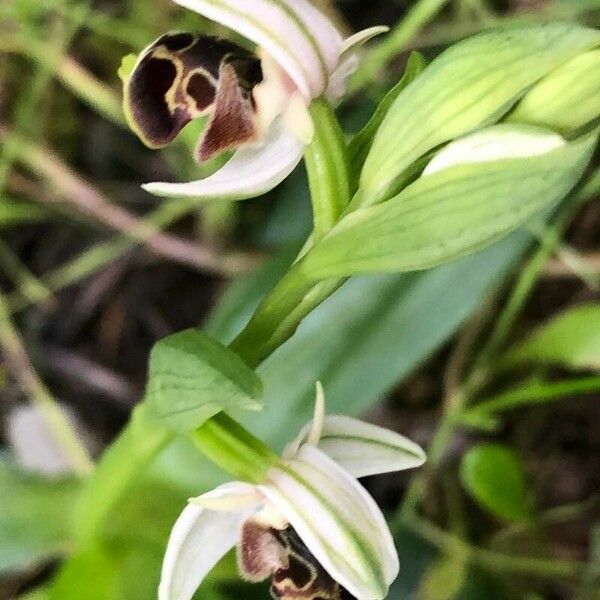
{"x": 499, "y": 142}
{"x": 361, "y": 448}
{"x": 338, "y": 521}
{"x": 295, "y": 33}
{"x": 229, "y": 497}
{"x": 252, "y": 171}
{"x": 199, "y": 539}
{"x": 364, "y": 449}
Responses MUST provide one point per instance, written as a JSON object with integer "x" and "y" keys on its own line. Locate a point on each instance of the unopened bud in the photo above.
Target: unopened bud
{"x": 567, "y": 99}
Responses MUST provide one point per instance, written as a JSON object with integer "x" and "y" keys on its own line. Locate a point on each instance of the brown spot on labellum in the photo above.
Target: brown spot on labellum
{"x": 201, "y": 90}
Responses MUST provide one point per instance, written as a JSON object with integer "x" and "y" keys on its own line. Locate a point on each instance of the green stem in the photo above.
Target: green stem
{"x": 135, "y": 448}
{"x": 280, "y": 314}
{"x": 326, "y": 159}
{"x": 262, "y": 334}
{"x": 435, "y": 454}
{"x": 297, "y": 294}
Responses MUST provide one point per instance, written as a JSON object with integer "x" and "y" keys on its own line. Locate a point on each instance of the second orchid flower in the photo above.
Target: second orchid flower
{"x": 304, "y": 520}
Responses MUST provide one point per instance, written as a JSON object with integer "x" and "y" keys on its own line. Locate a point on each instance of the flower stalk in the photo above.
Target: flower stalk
{"x": 297, "y": 294}
{"x": 326, "y": 159}
{"x": 233, "y": 448}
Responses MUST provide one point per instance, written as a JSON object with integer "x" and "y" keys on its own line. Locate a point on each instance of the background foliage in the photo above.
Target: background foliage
{"x": 491, "y": 361}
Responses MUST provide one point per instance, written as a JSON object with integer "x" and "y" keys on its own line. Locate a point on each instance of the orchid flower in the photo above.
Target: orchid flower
{"x": 258, "y": 104}
{"x": 309, "y": 524}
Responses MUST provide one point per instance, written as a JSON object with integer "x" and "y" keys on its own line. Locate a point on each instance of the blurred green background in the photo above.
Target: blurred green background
{"x": 93, "y": 271}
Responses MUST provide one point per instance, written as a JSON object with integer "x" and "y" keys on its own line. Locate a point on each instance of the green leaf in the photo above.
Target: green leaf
{"x": 495, "y": 478}
{"x": 361, "y": 143}
{"x": 192, "y": 377}
{"x": 571, "y": 340}
{"x": 448, "y": 214}
{"x": 566, "y": 100}
{"x": 35, "y": 517}
{"x": 471, "y": 84}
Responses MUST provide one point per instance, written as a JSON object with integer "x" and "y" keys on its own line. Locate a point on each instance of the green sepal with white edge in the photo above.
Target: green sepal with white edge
{"x": 478, "y": 190}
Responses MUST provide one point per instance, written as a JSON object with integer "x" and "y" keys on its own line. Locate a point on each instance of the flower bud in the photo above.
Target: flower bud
{"x": 472, "y": 84}
{"x": 475, "y": 191}
{"x": 567, "y": 99}
{"x": 495, "y": 143}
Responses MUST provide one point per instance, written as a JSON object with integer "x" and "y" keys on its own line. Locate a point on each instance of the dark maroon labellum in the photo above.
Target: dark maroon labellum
{"x": 183, "y": 76}
{"x": 303, "y": 578}
{"x": 281, "y": 555}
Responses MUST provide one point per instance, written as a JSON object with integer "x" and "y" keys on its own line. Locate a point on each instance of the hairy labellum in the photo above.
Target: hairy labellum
{"x": 183, "y": 76}
{"x": 281, "y": 554}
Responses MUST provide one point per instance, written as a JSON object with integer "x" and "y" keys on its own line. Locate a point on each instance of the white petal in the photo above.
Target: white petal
{"x": 498, "y": 142}
{"x": 299, "y": 120}
{"x": 251, "y": 172}
{"x": 349, "y": 61}
{"x": 298, "y": 36}
{"x": 316, "y": 429}
{"x": 358, "y": 40}
{"x": 338, "y": 81}
{"x": 199, "y": 539}
{"x": 230, "y": 496}
{"x": 338, "y": 521}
